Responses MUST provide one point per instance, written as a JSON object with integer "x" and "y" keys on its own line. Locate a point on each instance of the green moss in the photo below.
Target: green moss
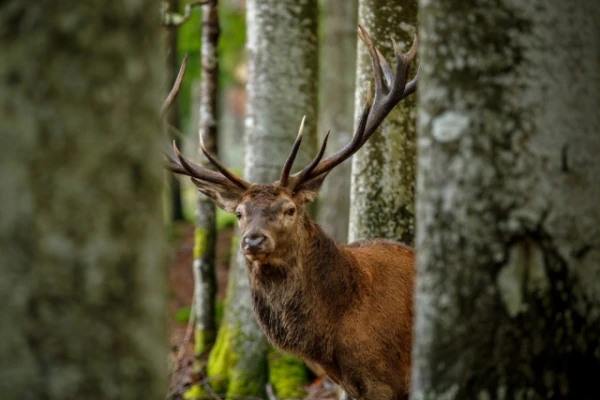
{"x": 225, "y": 375}
{"x": 182, "y": 314}
{"x": 241, "y": 384}
{"x": 202, "y": 339}
{"x": 200, "y": 235}
{"x": 220, "y": 360}
{"x": 287, "y": 375}
{"x": 234, "y": 244}
{"x": 194, "y": 392}
{"x": 219, "y": 308}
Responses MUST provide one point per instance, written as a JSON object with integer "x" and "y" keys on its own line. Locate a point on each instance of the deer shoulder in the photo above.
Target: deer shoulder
{"x": 347, "y": 308}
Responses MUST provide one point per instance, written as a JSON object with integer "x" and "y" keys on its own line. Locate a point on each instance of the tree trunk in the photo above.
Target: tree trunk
{"x": 205, "y": 234}
{"x": 82, "y": 260}
{"x": 282, "y": 58}
{"x": 172, "y": 118}
{"x": 338, "y": 69}
{"x": 508, "y": 301}
{"x": 383, "y": 171}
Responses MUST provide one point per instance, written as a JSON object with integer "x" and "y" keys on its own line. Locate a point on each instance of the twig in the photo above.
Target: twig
{"x": 211, "y": 392}
{"x": 270, "y": 394}
{"x": 189, "y": 330}
{"x": 174, "y": 19}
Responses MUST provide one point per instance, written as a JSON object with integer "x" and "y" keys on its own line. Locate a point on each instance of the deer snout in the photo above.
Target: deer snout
{"x": 254, "y": 242}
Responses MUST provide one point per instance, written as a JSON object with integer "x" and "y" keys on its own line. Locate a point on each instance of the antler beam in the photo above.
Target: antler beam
{"x": 390, "y": 88}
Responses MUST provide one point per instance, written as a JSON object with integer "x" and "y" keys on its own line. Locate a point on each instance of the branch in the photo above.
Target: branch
{"x": 175, "y": 19}
{"x": 270, "y": 393}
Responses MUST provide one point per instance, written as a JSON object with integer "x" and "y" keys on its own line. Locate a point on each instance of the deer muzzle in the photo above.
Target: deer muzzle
{"x": 254, "y": 243}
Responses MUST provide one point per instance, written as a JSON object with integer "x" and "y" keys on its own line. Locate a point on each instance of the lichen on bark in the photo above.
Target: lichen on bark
{"x": 336, "y": 113}
{"x": 82, "y": 266}
{"x": 508, "y": 214}
{"x": 383, "y": 171}
{"x": 206, "y": 231}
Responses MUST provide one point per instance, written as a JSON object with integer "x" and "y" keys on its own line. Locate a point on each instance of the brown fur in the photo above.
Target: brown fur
{"x": 347, "y": 308}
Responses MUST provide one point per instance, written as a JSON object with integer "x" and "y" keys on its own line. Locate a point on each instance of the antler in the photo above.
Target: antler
{"x": 180, "y": 165}
{"x": 175, "y": 89}
{"x": 390, "y": 88}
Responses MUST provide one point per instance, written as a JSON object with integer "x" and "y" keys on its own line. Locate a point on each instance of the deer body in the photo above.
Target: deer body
{"x": 347, "y": 308}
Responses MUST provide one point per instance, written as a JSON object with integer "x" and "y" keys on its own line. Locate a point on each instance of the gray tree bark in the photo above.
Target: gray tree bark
{"x": 508, "y": 301}
{"x": 172, "y": 117}
{"x": 338, "y": 72}
{"x": 206, "y": 231}
{"x": 383, "y": 171}
{"x": 282, "y": 87}
{"x": 81, "y": 232}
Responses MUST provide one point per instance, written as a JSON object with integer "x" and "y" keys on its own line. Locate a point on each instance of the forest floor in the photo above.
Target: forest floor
{"x": 181, "y": 290}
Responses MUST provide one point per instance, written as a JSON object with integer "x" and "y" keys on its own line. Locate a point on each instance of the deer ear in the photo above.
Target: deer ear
{"x": 308, "y": 191}
{"x": 225, "y": 197}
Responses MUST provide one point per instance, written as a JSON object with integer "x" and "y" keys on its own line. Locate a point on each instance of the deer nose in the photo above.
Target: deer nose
{"x": 253, "y": 242}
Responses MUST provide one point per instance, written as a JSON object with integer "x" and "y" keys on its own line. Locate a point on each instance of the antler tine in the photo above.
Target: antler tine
{"x": 385, "y": 67}
{"x": 399, "y": 88}
{"x": 299, "y": 177}
{"x": 403, "y": 61}
{"x": 185, "y": 167}
{"x": 380, "y": 84}
{"x": 287, "y": 167}
{"x": 242, "y": 184}
{"x": 175, "y": 89}
{"x": 411, "y": 86}
{"x": 173, "y": 165}
{"x": 345, "y": 152}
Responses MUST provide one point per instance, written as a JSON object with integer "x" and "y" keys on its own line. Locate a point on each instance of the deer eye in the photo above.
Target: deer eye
{"x": 238, "y": 214}
{"x": 290, "y": 212}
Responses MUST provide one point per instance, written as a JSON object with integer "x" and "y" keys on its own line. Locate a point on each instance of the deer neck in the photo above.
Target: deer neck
{"x": 299, "y": 300}
{"x": 312, "y": 263}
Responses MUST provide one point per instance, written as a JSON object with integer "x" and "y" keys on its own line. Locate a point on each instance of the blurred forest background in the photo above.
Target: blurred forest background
{"x": 498, "y": 192}
{"x": 329, "y": 71}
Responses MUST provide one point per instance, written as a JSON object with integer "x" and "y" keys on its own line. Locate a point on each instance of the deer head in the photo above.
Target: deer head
{"x": 271, "y": 216}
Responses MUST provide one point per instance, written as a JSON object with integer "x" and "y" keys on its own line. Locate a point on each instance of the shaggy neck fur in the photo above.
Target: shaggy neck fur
{"x": 299, "y": 298}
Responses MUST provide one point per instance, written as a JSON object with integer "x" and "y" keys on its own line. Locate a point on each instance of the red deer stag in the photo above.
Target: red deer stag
{"x": 346, "y": 308}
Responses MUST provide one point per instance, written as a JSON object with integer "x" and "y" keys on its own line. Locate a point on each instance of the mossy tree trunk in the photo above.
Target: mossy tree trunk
{"x": 82, "y": 260}
{"x": 383, "y": 171}
{"x": 337, "y": 80}
{"x": 205, "y": 233}
{"x": 172, "y": 117}
{"x": 282, "y": 62}
{"x": 508, "y": 301}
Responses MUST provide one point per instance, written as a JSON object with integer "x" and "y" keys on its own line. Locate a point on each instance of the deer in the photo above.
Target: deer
{"x": 348, "y": 309}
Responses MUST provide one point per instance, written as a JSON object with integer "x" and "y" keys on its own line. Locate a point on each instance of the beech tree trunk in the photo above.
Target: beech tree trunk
{"x": 383, "y": 171}
{"x": 82, "y": 263}
{"x": 338, "y": 67}
{"x": 172, "y": 117}
{"x": 508, "y": 300}
{"x": 206, "y": 232}
{"x": 282, "y": 63}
